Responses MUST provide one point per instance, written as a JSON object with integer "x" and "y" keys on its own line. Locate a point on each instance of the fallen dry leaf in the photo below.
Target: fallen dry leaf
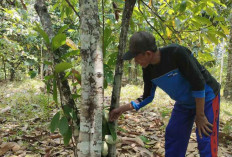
{"x": 143, "y": 152}
{"x": 5, "y": 109}
{"x": 5, "y": 147}
{"x": 16, "y": 147}
{"x": 136, "y": 140}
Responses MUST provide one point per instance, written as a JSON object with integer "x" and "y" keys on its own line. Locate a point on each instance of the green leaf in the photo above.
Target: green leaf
{"x": 67, "y": 110}
{"x": 62, "y": 67}
{"x": 112, "y": 59}
{"x": 202, "y": 20}
{"x": 67, "y": 136}
{"x": 197, "y": 25}
{"x": 202, "y": 43}
{"x": 42, "y": 33}
{"x": 108, "y": 39}
{"x": 183, "y": 6}
{"x": 144, "y": 139}
{"x": 55, "y": 91}
{"x": 48, "y": 77}
{"x": 220, "y": 34}
{"x": 47, "y": 63}
{"x": 69, "y": 11}
{"x": 55, "y": 6}
{"x": 70, "y": 54}
{"x": 75, "y": 96}
{"x": 218, "y": 2}
{"x": 210, "y": 11}
{"x": 30, "y": 62}
{"x": 55, "y": 122}
{"x": 75, "y": 117}
{"x": 212, "y": 38}
{"x": 32, "y": 74}
{"x": 58, "y": 40}
{"x": 48, "y": 87}
{"x": 63, "y": 126}
{"x": 219, "y": 18}
{"x": 112, "y": 130}
{"x": 105, "y": 83}
{"x": 225, "y": 29}
{"x": 62, "y": 29}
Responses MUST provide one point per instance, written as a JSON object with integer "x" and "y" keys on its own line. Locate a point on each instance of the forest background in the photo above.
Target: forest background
{"x": 41, "y": 71}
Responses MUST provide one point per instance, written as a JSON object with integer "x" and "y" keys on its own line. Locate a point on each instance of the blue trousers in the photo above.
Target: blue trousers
{"x": 180, "y": 126}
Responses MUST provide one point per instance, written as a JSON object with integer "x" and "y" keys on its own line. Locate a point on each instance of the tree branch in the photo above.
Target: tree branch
{"x": 103, "y": 27}
{"x": 73, "y": 8}
{"x": 151, "y": 25}
{"x": 24, "y": 6}
{"x": 197, "y": 30}
{"x": 156, "y": 14}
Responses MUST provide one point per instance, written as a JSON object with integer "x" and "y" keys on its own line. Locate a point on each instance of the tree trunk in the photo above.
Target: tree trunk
{"x": 12, "y": 74}
{"x": 127, "y": 12}
{"x": 45, "y": 19}
{"x": 222, "y": 62}
{"x": 228, "y": 84}
{"x": 41, "y": 66}
{"x": 90, "y": 136}
{"x": 130, "y": 72}
{"x": 12, "y": 71}
{"x": 62, "y": 83}
{"x": 136, "y": 73}
{"x": 4, "y": 67}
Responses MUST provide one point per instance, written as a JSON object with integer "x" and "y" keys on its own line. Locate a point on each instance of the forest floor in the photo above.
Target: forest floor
{"x": 25, "y": 116}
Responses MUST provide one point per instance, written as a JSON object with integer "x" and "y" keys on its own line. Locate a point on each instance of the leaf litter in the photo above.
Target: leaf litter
{"x": 24, "y": 130}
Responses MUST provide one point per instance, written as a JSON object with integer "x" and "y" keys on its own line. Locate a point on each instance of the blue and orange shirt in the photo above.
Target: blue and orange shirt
{"x": 180, "y": 75}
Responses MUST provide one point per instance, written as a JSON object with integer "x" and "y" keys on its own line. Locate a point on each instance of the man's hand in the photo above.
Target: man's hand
{"x": 114, "y": 114}
{"x": 203, "y": 125}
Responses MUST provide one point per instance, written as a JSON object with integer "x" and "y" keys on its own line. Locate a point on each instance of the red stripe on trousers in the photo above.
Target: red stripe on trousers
{"x": 213, "y": 138}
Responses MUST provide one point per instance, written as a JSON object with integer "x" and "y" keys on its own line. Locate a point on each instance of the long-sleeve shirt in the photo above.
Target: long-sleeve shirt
{"x": 180, "y": 75}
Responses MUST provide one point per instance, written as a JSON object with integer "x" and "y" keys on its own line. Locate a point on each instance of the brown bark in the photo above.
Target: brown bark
{"x": 228, "y": 84}
{"x": 130, "y": 72}
{"x": 4, "y": 67}
{"x": 127, "y": 13}
{"x": 136, "y": 73}
{"x": 24, "y": 6}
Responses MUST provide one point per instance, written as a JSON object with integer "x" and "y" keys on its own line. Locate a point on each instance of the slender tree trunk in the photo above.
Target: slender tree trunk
{"x": 228, "y": 84}
{"x": 127, "y": 13}
{"x": 222, "y": 62}
{"x": 42, "y": 65}
{"x": 45, "y": 19}
{"x": 136, "y": 73}
{"x": 63, "y": 86}
{"x": 12, "y": 72}
{"x": 90, "y": 137}
{"x": 4, "y": 67}
{"x": 130, "y": 72}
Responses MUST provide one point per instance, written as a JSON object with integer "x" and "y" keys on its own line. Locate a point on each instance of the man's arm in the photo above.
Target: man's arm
{"x": 148, "y": 95}
{"x": 201, "y": 120}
